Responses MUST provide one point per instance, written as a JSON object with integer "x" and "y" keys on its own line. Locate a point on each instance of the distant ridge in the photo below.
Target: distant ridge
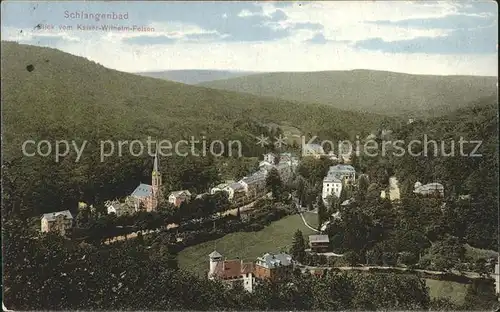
{"x": 390, "y": 93}
{"x": 195, "y": 76}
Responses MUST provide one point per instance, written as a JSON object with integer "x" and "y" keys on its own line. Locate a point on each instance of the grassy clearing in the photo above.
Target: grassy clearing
{"x": 477, "y": 253}
{"x": 311, "y": 219}
{"x": 245, "y": 245}
{"x": 440, "y": 289}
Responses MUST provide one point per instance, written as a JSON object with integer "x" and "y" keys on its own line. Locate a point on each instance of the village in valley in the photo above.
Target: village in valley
{"x": 249, "y": 156}
{"x": 341, "y": 175}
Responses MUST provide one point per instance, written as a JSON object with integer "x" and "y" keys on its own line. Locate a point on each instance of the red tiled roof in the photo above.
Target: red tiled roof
{"x": 233, "y": 268}
{"x": 247, "y": 268}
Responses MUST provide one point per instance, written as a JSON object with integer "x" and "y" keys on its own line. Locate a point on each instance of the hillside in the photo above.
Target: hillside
{"x": 51, "y": 95}
{"x": 367, "y": 90}
{"x": 195, "y": 76}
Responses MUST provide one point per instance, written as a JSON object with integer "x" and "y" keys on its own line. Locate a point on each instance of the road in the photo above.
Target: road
{"x": 366, "y": 268}
{"x": 234, "y": 212}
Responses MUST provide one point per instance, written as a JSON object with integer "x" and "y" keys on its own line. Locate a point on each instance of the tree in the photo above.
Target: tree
{"x": 298, "y": 247}
{"x": 352, "y": 258}
{"x": 333, "y": 203}
{"x": 322, "y": 212}
{"x": 480, "y": 267}
{"x": 274, "y": 183}
{"x": 480, "y": 295}
{"x": 447, "y": 253}
{"x": 363, "y": 184}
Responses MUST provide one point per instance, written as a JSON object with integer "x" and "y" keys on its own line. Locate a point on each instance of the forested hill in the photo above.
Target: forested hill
{"x": 473, "y": 173}
{"x": 461, "y": 174}
{"x": 368, "y": 90}
{"x": 48, "y": 94}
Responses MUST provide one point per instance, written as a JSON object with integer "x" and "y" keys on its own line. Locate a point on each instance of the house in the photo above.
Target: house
{"x": 220, "y": 187}
{"x": 331, "y": 155}
{"x": 255, "y": 184}
{"x": 235, "y": 192}
{"x": 319, "y": 243}
{"x": 149, "y": 196}
{"x": 119, "y": 209}
{"x": 58, "y": 222}
{"x": 266, "y": 166}
{"x": 331, "y": 186}
{"x": 286, "y": 165}
{"x": 201, "y": 196}
{"x": 271, "y": 266}
{"x": 431, "y": 189}
{"x": 393, "y": 191}
{"x": 346, "y": 173}
{"x": 312, "y": 150}
{"x": 231, "y": 271}
{"x": 271, "y": 158}
{"x": 178, "y": 197}
{"x": 345, "y": 151}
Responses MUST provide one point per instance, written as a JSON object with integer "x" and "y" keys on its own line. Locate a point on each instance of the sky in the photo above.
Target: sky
{"x": 418, "y": 37}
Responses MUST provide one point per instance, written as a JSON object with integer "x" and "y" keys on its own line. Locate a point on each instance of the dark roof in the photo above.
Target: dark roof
{"x": 143, "y": 190}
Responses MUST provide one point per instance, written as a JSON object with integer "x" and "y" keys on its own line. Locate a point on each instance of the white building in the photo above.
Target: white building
{"x": 58, "y": 222}
{"x": 118, "y": 208}
{"x": 393, "y": 191}
{"x": 178, "y": 197}
{"x": 255, "y": 184}
{"x": 331, "y": 186}
{"x": 314, "y": 150}
{"x": 270, "y": 158}
{"x": 429, "y": 189}
{"x": 286, "y": 166}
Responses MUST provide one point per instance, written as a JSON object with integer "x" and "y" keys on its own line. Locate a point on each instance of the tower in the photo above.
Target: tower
{"x": 155, "y": 182}
{"x": 215, "y": 258}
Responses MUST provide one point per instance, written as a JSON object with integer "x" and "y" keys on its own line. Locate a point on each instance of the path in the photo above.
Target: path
{"x": 299, "y": 209}
{"x": 305, "y": 223}
{"x": 234, "y": 211}
{"x": 366, "y": 268}
{"x": 244, "y": 208}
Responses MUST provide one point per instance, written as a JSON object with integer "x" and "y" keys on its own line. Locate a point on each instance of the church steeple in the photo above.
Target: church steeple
{"x": 155, "y": 163}
{"x": 156, "y": 181}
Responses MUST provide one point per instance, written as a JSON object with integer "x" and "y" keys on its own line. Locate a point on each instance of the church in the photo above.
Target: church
{"x": 147, "y": 196}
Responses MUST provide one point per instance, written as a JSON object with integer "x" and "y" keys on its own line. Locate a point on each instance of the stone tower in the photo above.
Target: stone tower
{"x": 215, "y": 258}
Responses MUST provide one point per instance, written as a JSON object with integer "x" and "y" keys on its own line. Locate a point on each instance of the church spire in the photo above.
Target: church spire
{"x": 155, "y": 164}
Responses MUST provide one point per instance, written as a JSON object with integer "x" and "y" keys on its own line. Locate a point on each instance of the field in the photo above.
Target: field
{"x": 454, "y": 291}
{"x": 278, "y": 237}
{"x": 311, "y": 218}
{"x": 245, "y": 245}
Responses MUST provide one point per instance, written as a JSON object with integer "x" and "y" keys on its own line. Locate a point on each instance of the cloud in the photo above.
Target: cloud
{"x": 146, "y": 40}
{"x": 318, "y": 39}
{"x": 455, "y": 43}
{"x": 416, "y": 37}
